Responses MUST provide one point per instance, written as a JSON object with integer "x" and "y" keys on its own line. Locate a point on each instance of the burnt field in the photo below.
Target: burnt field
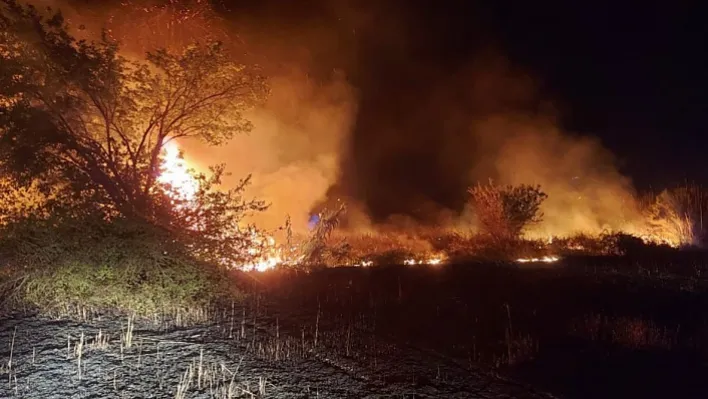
{"x": 580, "y": 328}
{"x": 583, "y": 328}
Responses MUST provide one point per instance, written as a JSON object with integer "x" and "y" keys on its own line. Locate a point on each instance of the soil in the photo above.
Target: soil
{"x": 450, "y": 331}
{"x": 43, "y": 363}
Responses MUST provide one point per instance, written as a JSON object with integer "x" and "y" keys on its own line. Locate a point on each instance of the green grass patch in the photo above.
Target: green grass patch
{"x": 84, "y": 268}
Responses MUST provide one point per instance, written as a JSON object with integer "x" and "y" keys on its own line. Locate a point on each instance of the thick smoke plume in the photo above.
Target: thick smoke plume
{"x": 375, "y": 105}
{"x": 293, "y": 151}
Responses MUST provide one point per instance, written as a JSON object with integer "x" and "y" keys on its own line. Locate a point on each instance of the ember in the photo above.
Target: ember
{"x": 544, "y": 259}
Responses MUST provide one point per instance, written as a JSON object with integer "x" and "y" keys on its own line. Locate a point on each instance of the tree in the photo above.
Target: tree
{"x": 504, "y": 212}
{"x": 78, "y": 114}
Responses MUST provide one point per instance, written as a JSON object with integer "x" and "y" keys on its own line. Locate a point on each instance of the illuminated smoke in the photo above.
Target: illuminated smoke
{"x": 392, "y": 133}
{"x": 293, "y": 151}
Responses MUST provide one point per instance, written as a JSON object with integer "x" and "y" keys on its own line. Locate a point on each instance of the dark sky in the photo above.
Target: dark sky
{"x": 634, "y": 76}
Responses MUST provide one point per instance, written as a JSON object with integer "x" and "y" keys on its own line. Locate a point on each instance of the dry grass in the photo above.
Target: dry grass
{"x": 216, "y": 379}
{"x": 67, "y": 270}
{"x": 204, "y": 374}
{"x": 677, "y": 214}
{"x": 628, "y": 332}
{"x": 401, "y": 248}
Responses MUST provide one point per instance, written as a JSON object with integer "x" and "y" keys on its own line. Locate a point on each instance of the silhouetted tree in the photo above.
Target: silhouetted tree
{"x": 79, "y": 112}
{"x": 86, "y": 127}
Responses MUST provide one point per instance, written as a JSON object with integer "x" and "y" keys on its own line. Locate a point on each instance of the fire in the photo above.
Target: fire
{"x": 433, "y": 260}
{"x": 176, "y": 173}
{"x": 430, "y": 261}
{"x": 266, "y": 254}
{"x": 544, "y": 259}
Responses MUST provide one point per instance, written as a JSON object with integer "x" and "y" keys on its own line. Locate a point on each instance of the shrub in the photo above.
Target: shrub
{"x": 503, "y": 212}
{"x": 677, "y": 215}
{"x": 96, "y": 266}
{"x": 314, "y": 250}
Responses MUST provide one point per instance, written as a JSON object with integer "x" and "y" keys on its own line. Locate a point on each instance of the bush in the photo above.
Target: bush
{"x": 677, "y": 215}
{"x": 92, "y": 266}
{"x": 503, "y": 212}
{"x": 315, "y": 249}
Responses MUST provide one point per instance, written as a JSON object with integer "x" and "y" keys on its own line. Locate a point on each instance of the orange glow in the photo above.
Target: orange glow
{"x": 267, "y": 254}
{"x": 544, "y": 259}
{"x": 175, "y": 172}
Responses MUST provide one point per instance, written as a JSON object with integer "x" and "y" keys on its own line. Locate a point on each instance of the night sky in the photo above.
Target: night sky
{"x": 634, "y": 76}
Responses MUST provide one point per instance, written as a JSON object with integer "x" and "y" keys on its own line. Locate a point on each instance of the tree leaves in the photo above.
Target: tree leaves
{"x": 79, "y": 117}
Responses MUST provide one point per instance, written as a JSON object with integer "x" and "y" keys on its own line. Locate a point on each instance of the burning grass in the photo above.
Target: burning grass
{"x": 79, "y": 269}
{"x": 508, "y": 220}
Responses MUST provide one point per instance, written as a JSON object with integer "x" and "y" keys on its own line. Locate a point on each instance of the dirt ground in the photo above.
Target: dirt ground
{"x": 590, "y": 329}
{"x": 41, "y": 360}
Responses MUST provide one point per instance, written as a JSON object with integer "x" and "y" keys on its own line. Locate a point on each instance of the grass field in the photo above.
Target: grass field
{"x": 581, "y": 328}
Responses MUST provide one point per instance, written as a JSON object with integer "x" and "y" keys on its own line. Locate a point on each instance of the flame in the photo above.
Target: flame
{"x": 267, "y": 254}
{"x": 545, "y": 259}
{"x": 433, "y": 260}
{"x": 176, "y": 173}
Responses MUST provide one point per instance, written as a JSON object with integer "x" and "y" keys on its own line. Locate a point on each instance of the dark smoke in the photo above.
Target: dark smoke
{"x": 424, "y": 81}
{"x": 394, "y": 107}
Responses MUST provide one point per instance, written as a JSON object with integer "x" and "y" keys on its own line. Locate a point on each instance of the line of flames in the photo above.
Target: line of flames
{"x": 267, "y": 254}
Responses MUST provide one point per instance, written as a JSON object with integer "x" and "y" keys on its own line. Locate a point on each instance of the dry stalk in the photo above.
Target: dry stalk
{"x": 261, "y": 386}
{"x": 78, "y": 352}
{"x": 185, "y": 382}
{"x": 348, "y": 342}
{"x": 255, "y": 315}
{"x": 9, "y": 362}
{"x": 243, "y": 324}
{"x": 200, "y": 370}
{"x": 277, "y": 339}
{"x": 317, "y": 322}
{"x": 128, "y": 333}
{"x": 231, "y": 328}
{"x": 100, "y": 341}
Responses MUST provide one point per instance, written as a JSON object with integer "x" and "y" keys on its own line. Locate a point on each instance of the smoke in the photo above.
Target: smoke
{"x": 394, "y": 110}
{"x": 586, "y": 194}
{"x": 293, "y": 151}
{"x": 430, "y": 125}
